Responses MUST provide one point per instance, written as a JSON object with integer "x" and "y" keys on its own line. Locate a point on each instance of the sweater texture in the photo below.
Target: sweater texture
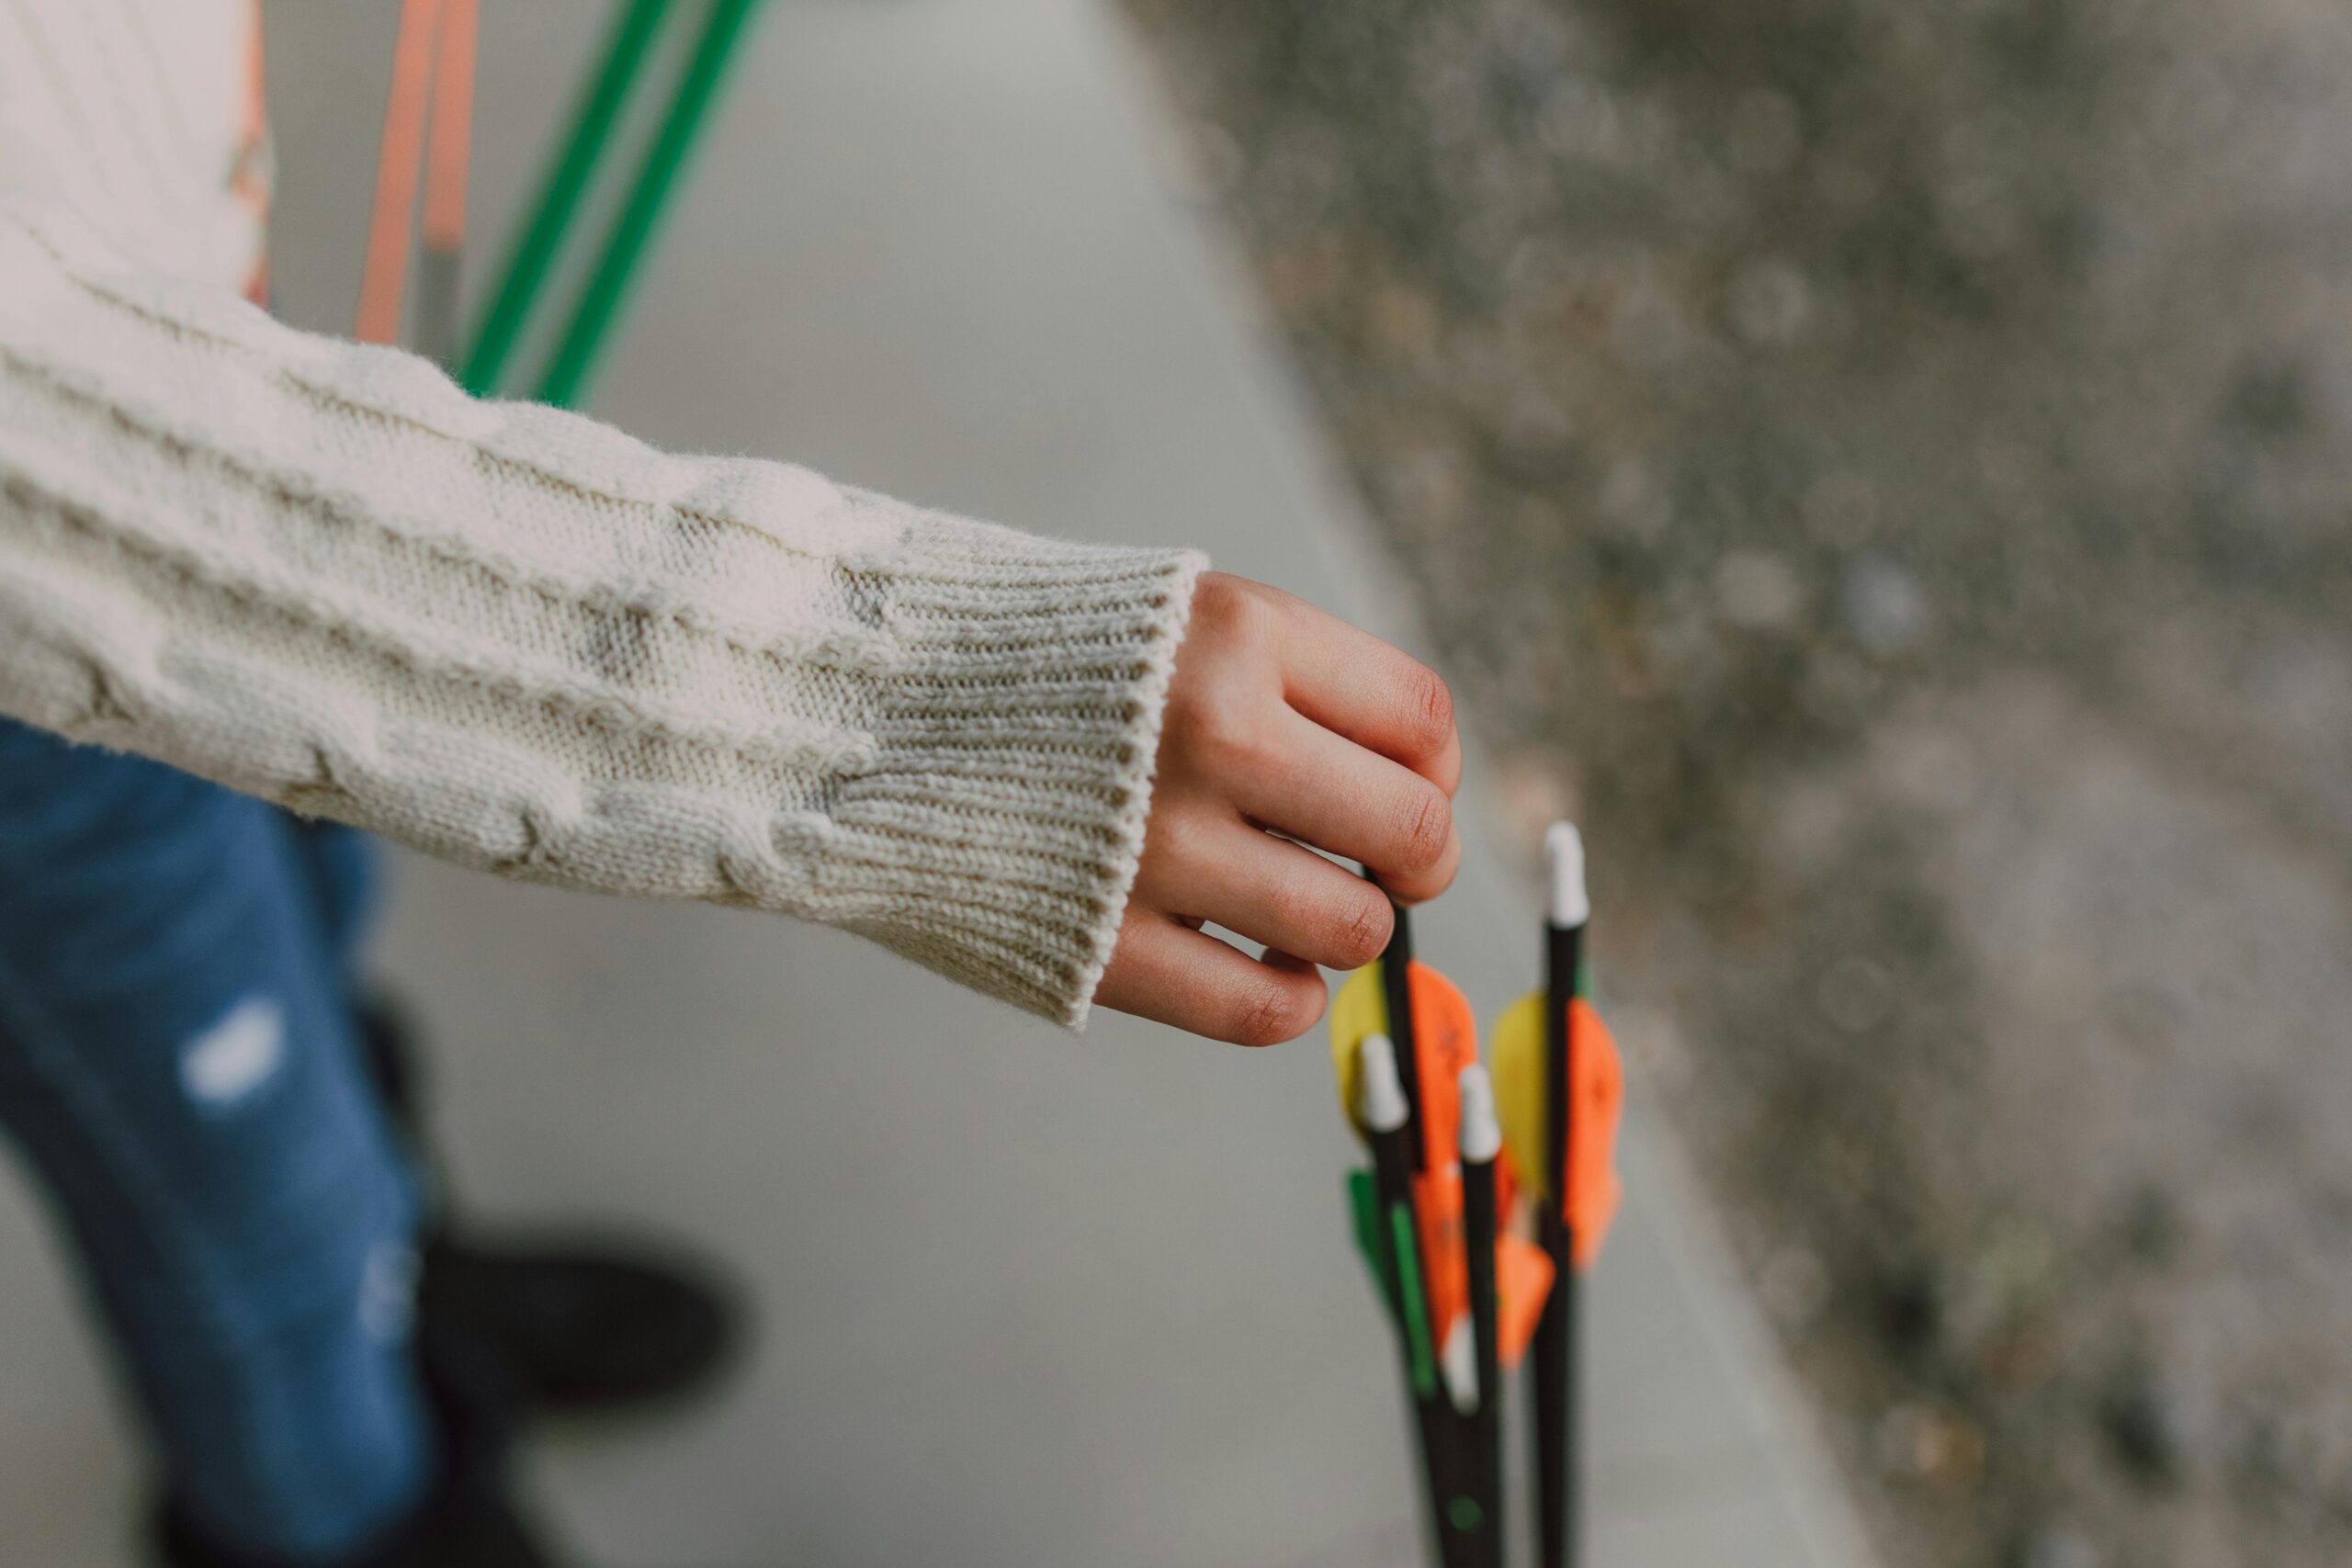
{"x": 518, "y": 640}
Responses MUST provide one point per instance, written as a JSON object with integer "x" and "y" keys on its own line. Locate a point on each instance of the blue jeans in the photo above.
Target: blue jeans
{"x": 179, "y": 1065}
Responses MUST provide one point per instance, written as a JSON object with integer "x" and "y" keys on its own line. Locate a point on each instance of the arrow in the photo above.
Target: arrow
{"x": 1480, "y": 1142}
{"x": 1561, "y": 1088}
{"x": 1426, "y": 1026}
{"x": 1374, "y": 1097}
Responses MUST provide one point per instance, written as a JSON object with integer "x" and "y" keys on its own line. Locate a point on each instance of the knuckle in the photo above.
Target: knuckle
{"x": 1183, "y": 727}
{"x": 1214, "y": 729}
{"x": 1428, "y": 704}
{"x": 1233, "y": 609}
{"x": 1233, "y": 738}
{"x": 1360, "y": 930}
{"x": 1265, "y": 1012}
{"x": 1294, "y": 912}
{"x": 1427, "y": 828}
{"x": 1441, "y": 876}
{"x": 1172, "y": 835}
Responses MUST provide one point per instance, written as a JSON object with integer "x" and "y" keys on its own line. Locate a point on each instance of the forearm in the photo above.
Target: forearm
{"x": 518, "y": 640}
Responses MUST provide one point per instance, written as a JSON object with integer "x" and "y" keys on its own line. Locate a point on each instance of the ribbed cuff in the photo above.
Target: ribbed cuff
{"x": 995, "y": 834}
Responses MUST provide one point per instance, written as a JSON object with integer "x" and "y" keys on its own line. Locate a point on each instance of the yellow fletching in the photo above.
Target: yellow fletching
{"x": 1358, "y": 1010}
{"x": 1515, "y": 1056}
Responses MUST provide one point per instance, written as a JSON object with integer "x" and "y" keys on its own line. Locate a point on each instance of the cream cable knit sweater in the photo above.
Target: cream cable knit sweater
{"x": 518, "y": 640}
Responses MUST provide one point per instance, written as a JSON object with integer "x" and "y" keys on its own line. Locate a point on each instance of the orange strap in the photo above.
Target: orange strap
{"x": 433, "y": 59}
{"x": 452, "y": 133}
{"x": 249, "y": 182}
{"x": 383, "y": 278}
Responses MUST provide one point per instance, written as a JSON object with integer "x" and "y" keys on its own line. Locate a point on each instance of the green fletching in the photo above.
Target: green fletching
{"x": 1416, "y": 1322}
{"x": 1371, "y": 1240}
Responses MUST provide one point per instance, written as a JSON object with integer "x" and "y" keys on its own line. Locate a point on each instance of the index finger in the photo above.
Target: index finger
{"x": 1350, "y": 681}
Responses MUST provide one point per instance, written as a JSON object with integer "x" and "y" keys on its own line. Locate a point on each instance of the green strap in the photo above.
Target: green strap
{"x": 527, "y": 268}
{"x": 570, "y": 378}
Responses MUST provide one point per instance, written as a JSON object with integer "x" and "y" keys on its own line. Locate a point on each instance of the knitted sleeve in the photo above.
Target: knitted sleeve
{"x": 518, "y": 640}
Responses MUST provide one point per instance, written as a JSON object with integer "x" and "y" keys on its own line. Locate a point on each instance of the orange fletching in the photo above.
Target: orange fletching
{"x": 1446, "y": 1041}
{"x": 1596, "y": 1104}
{"x": 1522, "y": 1281}
{"x": 1445, "y": 1261}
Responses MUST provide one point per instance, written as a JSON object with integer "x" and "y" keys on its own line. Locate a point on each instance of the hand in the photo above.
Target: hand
{"x": 1281, "y": 723}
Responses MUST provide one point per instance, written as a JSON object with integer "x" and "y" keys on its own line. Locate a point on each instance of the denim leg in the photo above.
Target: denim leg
{"x": 343, "y": 873}
{"x": 177, "y": 1064}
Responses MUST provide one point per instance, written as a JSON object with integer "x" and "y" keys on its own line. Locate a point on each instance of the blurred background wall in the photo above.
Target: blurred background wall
{"x": 1884, "y": 466}
{"x": 1022, "y": 1299}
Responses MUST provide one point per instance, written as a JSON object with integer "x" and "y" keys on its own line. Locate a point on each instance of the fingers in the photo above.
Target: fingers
{"x": 1164, "y": 971}
{"x": 1330, "y": 793}
{"x": 1445, "y": 771}
{"x": 1351, "y": 682}
{"x": 1216, "y": 866}
{"x": 1281, "y": 717}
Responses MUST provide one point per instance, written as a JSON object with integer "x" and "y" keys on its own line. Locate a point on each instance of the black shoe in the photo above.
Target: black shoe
{"x": 580, "y": 1329}
{"x": 468, "y": 1520}
{"x": 589, "y": 1325}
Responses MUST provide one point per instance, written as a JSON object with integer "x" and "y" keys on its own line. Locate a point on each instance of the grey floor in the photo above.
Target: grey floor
{"x": 1025, "y": 1299}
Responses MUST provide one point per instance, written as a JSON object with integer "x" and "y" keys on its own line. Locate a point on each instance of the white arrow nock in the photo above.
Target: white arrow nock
{"x": 1564, "y": 856}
